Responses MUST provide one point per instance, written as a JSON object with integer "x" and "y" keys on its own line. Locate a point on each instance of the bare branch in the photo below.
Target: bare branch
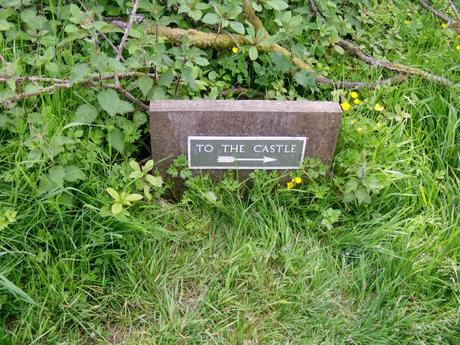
{"x": 314, "y": 9}
{"x": 60, "y": 84}
{"x": 104, "y": 36}
{"x": 356, "y": 51}
{"x": 127, "y": 95}
{"x": 132, "y": 19}
{"x": 357, "y": 85}
{"x": 454, "y": 9}
{"x": 426, "y": 5}
{"x": 392, "y": 66}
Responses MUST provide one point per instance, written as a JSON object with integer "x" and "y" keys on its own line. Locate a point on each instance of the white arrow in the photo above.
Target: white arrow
{"x": 230, "y": 159}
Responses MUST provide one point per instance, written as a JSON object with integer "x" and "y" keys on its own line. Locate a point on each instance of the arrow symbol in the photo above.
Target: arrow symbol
{"x": 230, "y": 159}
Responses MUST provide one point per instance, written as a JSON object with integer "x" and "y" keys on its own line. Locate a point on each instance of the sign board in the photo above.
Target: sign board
{"x": 220, "y": 152}
{"x": 216, "y": 135}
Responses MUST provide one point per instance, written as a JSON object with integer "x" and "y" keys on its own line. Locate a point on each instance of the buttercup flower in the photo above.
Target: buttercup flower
{"x": 378, "y": 107}
{"x": 235, "y": 50}
{"x": 290, "y": 185}
{"x": 444, "y": 25}
{"x": 458, "y": 47}
{"x": 356, "y": 101}
{"x": 354, "y": 94}
{"x": 297, "y": 180}
{"x": 346, "y": 106}
{"x": 406, "y": 22}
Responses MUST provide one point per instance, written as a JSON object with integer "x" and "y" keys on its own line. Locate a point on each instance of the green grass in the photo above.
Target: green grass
{"x": 261, "y": 264}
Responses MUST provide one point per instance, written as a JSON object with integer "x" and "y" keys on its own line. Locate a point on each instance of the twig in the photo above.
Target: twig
{"x": 92, "y": 81}
{"x": 132, "y": 19}
{"x": 454, "y": 9}
{"x": 392, "y": 66}
{"x": 356, "y": 51}
{"x": 117, "y": 85}
{"x": 104, "y": 36}
{"x": 127, "y": 95}
{"x": 426, "y": 5}
{"x": 357, "y": 85}
{"x": 314, "y": 9}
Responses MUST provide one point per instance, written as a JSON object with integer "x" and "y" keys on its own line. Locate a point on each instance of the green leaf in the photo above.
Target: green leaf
{"x": 117, "y": 140}
{"x": 113, "y": 193}
{"x": 304, "y": 78}
{"x": 79, "y": 72}
{"x": 237, "y": 27}
{"x": 85, "y": 113}
{"x": 278, "y": 5}
{"x": 110, "y": 101}
{"x": 201, "y": 61}
{"x": 135, "y": 166}
{"x": 253, "y": 53}
{"x": 145, "y": 84}
{"x": 148, "y": 166}
{"x": 56, "y": 175}
{"x": 73, "y": 173}
{"x": 155, "y": 181}
{"x": 210, "y": 18}
{"x": 4, "y": 25}
{"x": 117, "y": 208}
{"x": 339, "y": 49}
{"x": 133, "y": 197}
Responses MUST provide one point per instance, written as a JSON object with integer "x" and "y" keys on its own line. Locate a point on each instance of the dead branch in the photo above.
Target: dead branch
{"x": 132, "y": 19}
{"x": 392, "y": 66}
{"x": 60, "y": 84}
{"x": 454, "y": 9}
{"x": 427, "y": 6}
{"x": 357, "y": 52}
{"x": 119, "y": 56}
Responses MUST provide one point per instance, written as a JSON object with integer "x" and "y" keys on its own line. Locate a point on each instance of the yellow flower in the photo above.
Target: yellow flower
{"x": 346, "y": 106}
{"x": 458, "y": 37}
{"x": 356, "y": 101}
{"x": 359, "y": 129}
{"x": 290, "y": 185}
{"x": 354, "y": 94}
{"x": 406, "y": 22}
{"x": 444, "y": 25}
{"x": 378, "y": 107}
{"x": 458, "y": 47}
{"x": 297, "y": 180}
{"x": 235, "y": 50}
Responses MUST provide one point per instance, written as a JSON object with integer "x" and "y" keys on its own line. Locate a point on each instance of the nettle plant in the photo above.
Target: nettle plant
{"x": 105, "y": 60}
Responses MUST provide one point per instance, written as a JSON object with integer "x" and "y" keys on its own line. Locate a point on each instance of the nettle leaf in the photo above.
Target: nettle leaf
{"x": 85, "y": 113}
{"x": 110, "y": 101}
{"x": 4, "y": 25}
{"x": 79, "y": 72}
{"x": 72, "y": 173}
{"x": 56, "y": 175}
{"x": 117, "y": 140}
{"x": 144, "y": 84}
{"x": 278, "y": 5}
{"x": 305, "y": 79}
{"x": 210, "y": 18}
{"x": 237, "y": 27}
{"x": 253, "y": 53}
